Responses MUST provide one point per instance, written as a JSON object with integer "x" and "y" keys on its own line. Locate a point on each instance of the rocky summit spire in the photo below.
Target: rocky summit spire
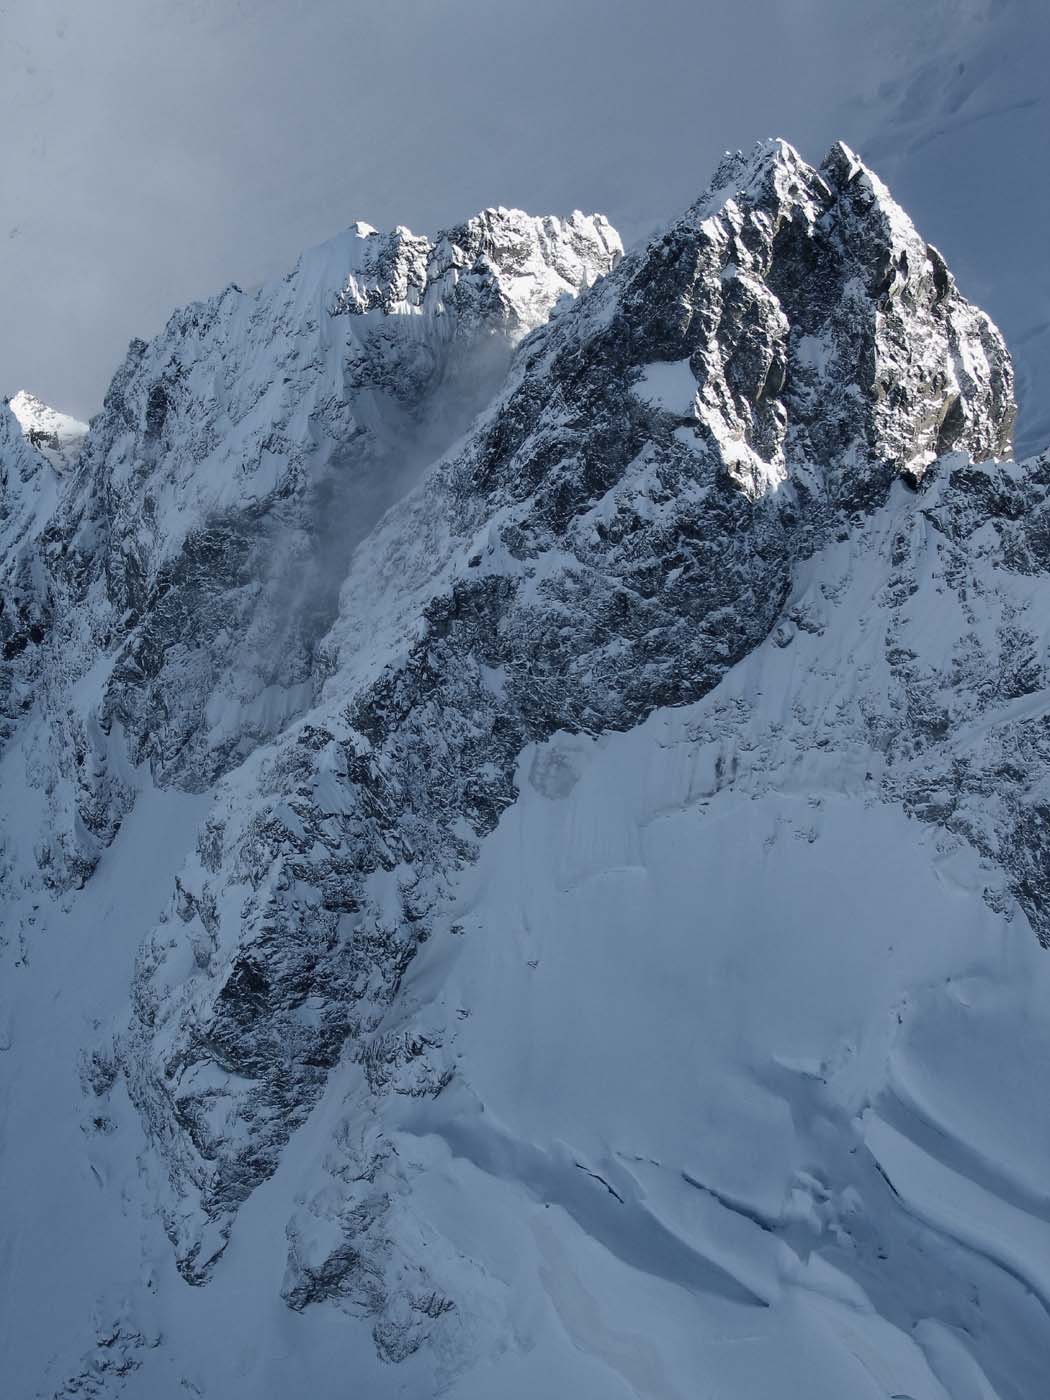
{"x": 827, "y": 338}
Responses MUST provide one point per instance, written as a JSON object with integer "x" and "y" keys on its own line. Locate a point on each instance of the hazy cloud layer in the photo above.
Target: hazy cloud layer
{"x": 156, "y": 149}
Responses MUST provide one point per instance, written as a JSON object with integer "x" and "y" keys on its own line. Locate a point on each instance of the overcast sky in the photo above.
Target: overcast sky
{"x": 155, "y": 149}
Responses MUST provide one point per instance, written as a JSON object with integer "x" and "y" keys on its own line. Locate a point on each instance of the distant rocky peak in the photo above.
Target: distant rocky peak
{"x": 533, "y": 262}
{"x": 339, "y": 550}
{"x": 773, "y": 171}
{"x": 37, "y": 445}
{"x": 58, "y": 436}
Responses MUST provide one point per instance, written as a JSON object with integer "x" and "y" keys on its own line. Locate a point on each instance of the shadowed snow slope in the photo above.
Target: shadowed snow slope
{"x": 526, "y": 829}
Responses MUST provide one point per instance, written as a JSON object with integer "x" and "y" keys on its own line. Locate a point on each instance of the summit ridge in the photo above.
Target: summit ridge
{"x": 529, "y": 763}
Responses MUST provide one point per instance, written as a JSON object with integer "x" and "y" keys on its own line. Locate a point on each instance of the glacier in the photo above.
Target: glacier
{"x": 525, "y": 802}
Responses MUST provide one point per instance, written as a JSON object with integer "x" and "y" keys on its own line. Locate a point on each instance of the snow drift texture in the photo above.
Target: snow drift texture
{"x": 527, "y": 826}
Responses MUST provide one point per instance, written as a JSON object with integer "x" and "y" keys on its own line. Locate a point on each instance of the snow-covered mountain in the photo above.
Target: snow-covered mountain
{"x": 526, "y": 827}
{"x": 37, "y": 447}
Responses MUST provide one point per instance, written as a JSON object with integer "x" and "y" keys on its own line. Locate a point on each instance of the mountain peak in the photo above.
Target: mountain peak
{"x": 843, "y": 339}
{"x": 58, "y": 436}
{"x": 494, "y": 600}
{"x": 770, "y": 164}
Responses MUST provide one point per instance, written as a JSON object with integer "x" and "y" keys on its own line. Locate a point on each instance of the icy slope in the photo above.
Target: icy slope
{"x": 515, "y": 941}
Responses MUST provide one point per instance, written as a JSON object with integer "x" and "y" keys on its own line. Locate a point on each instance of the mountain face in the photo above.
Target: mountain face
{"x": 527, "y": 829}
{"x": 966, "y": 91}
{"x": 235, "y": 463}
{"x": 39, "y": 445}
{"x": 55, "y": 435}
